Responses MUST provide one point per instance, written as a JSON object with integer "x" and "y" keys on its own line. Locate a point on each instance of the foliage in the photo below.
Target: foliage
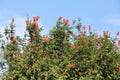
{"x": 61, "y": 55}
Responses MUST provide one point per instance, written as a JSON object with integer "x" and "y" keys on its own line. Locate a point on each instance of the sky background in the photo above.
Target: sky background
{"x": 100, "y": 14}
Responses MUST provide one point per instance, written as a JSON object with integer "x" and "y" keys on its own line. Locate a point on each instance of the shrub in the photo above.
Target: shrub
{"x": 61, "y": 55}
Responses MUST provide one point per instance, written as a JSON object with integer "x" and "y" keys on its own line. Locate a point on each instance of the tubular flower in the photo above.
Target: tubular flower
{"x": 65, "y": 21}
{"x": 12, "y": 20}
{"x": 17, "y": 56}
{"x": 90, "y": 71}
{"x": 36, "y": 48}
{"x": 12, "y": 38}
{"x": 73, "y": 21}
{"x": 54, "y": 55}
{"x": 36, "y": 18}
{"x": 105, "y": 33}
{"x": 70, "y": 66}
{"x": 44, "y": 52}
{"x": 82, "y": 35}
{"x": 95, "y": 37}
{"x": 27, "y": 67}
{"x": 46, "y": 39}
{"x": 118, "y": 33}
{"x": 81, "y": 73}
{"x": 60, "y": 18}
{"x": 72, "y": 46}
{"x": 76, "y": 38}
{"x": 119, "y": 42}
{"x": 89, "y": 28}
{"x": 83, "y": 27}
{"x": 27, "y": 21}
{"x": 36, "y": 25}
{"x": 24, "y": 52}
{"x": 29, "y": 43}
{"x": 119, "y": 69}
{"x": 77, "y": 47}
{"x": 85, "y": 42}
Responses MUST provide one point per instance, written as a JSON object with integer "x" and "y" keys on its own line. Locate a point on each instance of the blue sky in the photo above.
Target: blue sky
{"x": 100, "y": 14}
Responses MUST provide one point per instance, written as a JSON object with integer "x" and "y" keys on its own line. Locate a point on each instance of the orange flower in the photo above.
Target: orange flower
{"x": 36, "y": 48}
{"x": 17, "y": 56}
{"x": 119, "y": 69}
{"x": 76, "y": 38}
{"x": 77, "y": 47}
{"x": 118, "y": 33}
{"x": 119, "y": 42}
{"x": 84, "y": 27}
{"x": 65, "y": 21}
{"x": 54, "y": 55}
{"x": 72, "y": 46}
{"x": 44, "y": 52}
{"x": 27, "y": 21}
{"x": 24, "y": 52}
{"x": 36, "y": 25}
{"x": 85, "y": 42}
{"x": 46, "y": 39}
{"x": 95, "y": 37}
{"x": 60, "y": 18}
{"x": 105, "y": 33}
{"x": 82, "y": 35}
{"x": 36, "y": 18}
{"x": 12, "y": 20}
{"x": 70, "y": 66}
{"x": 12, "y": 38}
{"x": 29, "y": 43}
{"x": 27, "y": 67}
{"x": 81, "y": 73}
{"x": 73, "y": 21}
{"x": 90, "y": 71}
